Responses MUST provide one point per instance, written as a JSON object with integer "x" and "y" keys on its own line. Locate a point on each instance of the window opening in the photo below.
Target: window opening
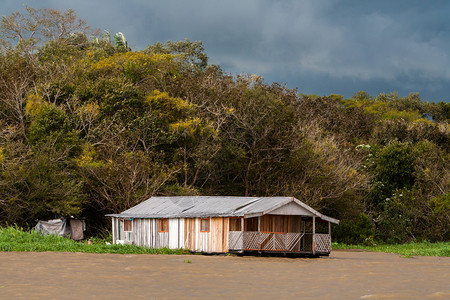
{"x": 204, "y": 225}
{"x": 127, "y": 225}
{"x": 163, "y": 225}
{"x": 235, "y": 224}
{"x": 251, "y": 224}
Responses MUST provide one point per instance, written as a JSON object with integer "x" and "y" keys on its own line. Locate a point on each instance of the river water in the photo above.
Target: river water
{"x": 342, "y": 275}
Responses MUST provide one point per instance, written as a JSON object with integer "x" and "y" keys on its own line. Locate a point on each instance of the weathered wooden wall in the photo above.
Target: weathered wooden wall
{"x": 288, "y": 235}
{"x": 189, "y": 234}
{"x": 216, "y": 240}
{"x": 145, "y": 233}
{"x": 219, "y": 231}
{"x": 182, "y": 233}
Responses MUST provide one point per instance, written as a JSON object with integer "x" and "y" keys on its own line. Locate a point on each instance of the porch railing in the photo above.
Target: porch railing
{"x": 289, "y": 242}
{"x": 236, "y": 240}
{"x": 322, "y": 243}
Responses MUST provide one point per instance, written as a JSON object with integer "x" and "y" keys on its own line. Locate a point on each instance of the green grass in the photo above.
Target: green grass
{"x": 406, "y": 250}
{"x": 17, "y": 239}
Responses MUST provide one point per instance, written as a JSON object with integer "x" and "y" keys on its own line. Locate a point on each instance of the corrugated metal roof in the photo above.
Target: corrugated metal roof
{"x": 211, "y": 206}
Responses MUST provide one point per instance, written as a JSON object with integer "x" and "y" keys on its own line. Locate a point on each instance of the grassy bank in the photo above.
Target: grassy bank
{"x": 406, "y": 250}
{"x": 16, "y": 239}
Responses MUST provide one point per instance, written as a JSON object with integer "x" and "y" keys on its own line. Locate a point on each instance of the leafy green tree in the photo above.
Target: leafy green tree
{"x": 121, "y": 180}
{"x": 192, "y": 53}
{"x": 38, "y": 183}
{"x": 50, "y": 125}
{"x": 393, "y": 169}
{"x": 360, "y": 230}
{"x": 88, "y": 126}
{"x": 121, "y": 42}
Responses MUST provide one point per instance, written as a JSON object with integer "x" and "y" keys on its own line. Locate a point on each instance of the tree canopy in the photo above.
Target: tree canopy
{"x": 89, "y": 126}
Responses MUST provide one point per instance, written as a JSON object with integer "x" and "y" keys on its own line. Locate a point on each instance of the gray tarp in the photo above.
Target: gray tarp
{"x": 64, "y": 227}
{"x": 57, "y": 226}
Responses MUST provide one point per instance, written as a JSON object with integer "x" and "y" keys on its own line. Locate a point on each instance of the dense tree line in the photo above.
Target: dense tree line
{"x": 89, "y": 126}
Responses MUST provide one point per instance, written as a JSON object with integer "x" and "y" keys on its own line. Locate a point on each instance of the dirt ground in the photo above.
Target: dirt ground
{"x": 342, "y": 275}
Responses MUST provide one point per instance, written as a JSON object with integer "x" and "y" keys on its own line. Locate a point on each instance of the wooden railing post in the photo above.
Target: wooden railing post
{"x": 259, "y": 232}
{"x": 242, "y": 234}
{"x": 313, "y": 235}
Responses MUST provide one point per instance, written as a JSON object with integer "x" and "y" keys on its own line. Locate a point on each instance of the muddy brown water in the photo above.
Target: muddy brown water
{"x": 342, "y": 275}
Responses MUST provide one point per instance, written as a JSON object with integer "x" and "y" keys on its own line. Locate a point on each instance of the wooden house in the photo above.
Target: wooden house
{"x": 225, "y": 224}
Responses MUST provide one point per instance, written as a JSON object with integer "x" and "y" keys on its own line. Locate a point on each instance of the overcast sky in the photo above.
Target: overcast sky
{"x": 321, "y": 47}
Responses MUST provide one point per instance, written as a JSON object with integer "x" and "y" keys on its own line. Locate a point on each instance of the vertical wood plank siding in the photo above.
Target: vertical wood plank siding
{"x": 189, "y": 234}
{"x": 113, "y": 229}
{"x": 218, "y": 239}
{"x": 182, "y": 233}
{"x": 174, "y": 238}
{"x": 216, "y": 229}
{"x": 197, "y": 236}
{"x": 181, "y": 237}
{"x": 226, "y": 235}
{"x": 173, "y": 233}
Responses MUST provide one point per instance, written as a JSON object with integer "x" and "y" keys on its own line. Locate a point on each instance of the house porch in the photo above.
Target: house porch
{"x": 280, "y": 233}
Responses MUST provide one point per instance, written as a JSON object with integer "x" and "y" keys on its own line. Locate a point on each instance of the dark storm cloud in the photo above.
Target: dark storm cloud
{"x": 323, "y": 47}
